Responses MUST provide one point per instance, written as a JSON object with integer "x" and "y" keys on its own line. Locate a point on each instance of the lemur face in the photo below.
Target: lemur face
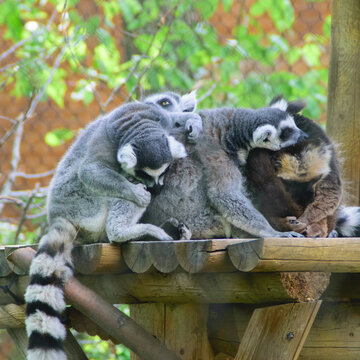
{"x": 279, "y": 130}
{"x": 149, "y": 160}
{"x": 173, "y": 102}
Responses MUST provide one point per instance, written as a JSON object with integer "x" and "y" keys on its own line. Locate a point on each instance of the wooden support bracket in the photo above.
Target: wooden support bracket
{"x": 277, "y": 332}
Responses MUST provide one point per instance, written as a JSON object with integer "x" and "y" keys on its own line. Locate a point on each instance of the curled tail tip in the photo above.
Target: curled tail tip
{"x": 348, "y": 222}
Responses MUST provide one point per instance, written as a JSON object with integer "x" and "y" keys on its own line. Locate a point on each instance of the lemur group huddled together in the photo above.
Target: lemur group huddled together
{"x": 229, "y": 172}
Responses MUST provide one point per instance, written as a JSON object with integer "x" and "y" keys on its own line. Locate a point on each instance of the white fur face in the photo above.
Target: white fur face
{"x": 177, "y": 149}
{"x": 272, "y": 138}
{"x": 266, "y": 136}
{"x": 127, "y": 158}
{"x": 157, "y": 174}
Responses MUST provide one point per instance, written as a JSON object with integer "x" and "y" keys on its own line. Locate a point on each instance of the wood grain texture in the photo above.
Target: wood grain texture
{"x": 343, "y": 112}
{"x": 335, "y": 333}
{"x": 204, "y": 255}
{"x": 12, "y": 316}
{"x": 182, "y": 327}
{"x": 290, "y": 254}
{"x": 277, "y": 332}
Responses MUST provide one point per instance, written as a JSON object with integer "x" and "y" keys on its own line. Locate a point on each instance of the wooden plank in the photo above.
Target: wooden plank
{"x": 343, "y": 112}
{"x": 163, "y": 257}
{"x": 136, "y": 255}
{"x": 98, "y": 259}
{"x": 12, "y": 316}
{"x": 182, "y": 327}
{"x": 204, "y": 255}
{"x": 277, "y": 332}
{"x": 335, "y": 333}
{"x": 290, "y": 254}
{"x": 184, "y": 287}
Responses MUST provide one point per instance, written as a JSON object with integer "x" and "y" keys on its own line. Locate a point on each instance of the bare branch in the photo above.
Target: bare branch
{"x": 35, "y": 176}
{"x": 15, "y": 158}
{"x": 208, "y": 93}
{"x": 7, "y": 118}
{"x": 143, "y": 56}
{"x": 41, "y": 193}
{"x": 23, "y": 216}
{"x": 8, "y": 199}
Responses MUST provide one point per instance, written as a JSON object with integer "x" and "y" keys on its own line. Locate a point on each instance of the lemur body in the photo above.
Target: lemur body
{"x": 98, "y": 193}
{"x": 205, "y": 190}
{"x": 298, "y": 188}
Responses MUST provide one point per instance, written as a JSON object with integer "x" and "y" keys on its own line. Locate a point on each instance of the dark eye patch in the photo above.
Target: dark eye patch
{"x": 286, "y": 133}
{"x": 165, "y": 102}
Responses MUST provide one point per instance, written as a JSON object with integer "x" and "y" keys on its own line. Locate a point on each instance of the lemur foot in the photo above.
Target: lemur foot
{"x": 178, "y": 230}
{"x": 333, "y": 234}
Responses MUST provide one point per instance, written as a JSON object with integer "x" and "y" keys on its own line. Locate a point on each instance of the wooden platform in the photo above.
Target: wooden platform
{"x": 242, "y": 298}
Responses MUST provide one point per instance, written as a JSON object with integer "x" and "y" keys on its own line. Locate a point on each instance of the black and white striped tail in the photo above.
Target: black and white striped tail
{"x": 49, "y": 271}
{"x": 348, "y": 222}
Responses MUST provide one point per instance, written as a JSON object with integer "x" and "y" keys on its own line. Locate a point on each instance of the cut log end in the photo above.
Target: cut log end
{"x": 305, "y": 286}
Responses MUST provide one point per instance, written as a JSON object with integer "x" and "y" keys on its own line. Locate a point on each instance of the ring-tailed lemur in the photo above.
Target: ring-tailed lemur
{"x": 98, "y": 193}
{"x": 299, "y": 188}
{"x": 206, "y": 190}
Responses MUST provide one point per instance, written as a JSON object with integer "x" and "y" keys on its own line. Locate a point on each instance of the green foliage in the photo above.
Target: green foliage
{"x": 58, "y": 137}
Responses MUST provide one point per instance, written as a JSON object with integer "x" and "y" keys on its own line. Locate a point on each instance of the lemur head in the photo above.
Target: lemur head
{"x": 173, "y": 102}
{"x": 148, "y": 159}
{"x": 276, "y": 128}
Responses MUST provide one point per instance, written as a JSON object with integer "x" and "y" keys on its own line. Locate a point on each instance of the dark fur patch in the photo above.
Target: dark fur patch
{"x": 44, "y": 341}
{"x": 45, "y": 308}
{"x": 45, "y": 280}
{"x": 47, "y": 249}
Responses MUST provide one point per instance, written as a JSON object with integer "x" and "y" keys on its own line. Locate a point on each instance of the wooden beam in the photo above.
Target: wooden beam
{"x": 277, "y": 332}
{"x": 182, "y": 327}
{"x": 204, "y": 255}
{"x": 343, "y": 112}
{"x": 12, "y": 316}
{"x": 335, "y": 333}
{"x": 112, "y": 320}
{"x": 288, "y": 254}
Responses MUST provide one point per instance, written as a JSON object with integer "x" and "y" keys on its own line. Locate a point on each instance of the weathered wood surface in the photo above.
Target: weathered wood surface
{"x": 112, "y": 320}
{"x": 181, "y": 327}
{"x": 12, "y": 316}
{"x": 292, "y": 254}
{"x": 277, "y": 332}
{"x": 343, "y": 112}
{"x": 207, "y": 256}
{"x": 335, "y": 333}
{"x": 183, "y": 288}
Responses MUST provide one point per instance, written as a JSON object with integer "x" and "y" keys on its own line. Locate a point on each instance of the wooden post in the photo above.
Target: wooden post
{"x": 343, "y": 112}
{"x": 181, "y": 327}
{"x": 277, "y": 332}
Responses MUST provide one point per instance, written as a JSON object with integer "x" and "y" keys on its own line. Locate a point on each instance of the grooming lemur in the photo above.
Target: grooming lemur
{"x": 205, "y": 190}
{"x": 98, "y": 194}
{"x": 298, "y": 188}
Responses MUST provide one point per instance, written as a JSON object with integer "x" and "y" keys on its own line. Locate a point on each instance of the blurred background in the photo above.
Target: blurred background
{"x": 63, "y": 63}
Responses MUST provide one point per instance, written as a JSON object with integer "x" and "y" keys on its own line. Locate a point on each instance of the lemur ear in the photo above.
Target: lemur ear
{"x": 295, "y": 107}
{"x": 189, "y": 102}
{"x": 263, "y": 133}
{"x": 126, "y": 156}
{"x": 278, "y": 102}
{"x": 177, "y": 149}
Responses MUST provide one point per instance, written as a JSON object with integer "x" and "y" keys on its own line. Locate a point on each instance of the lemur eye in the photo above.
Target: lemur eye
{"x": 164, "y": 102}
{"x": 286, "y": 133}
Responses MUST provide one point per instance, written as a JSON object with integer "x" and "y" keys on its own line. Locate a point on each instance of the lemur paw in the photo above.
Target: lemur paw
{"x": 184, "y": 231}
{"x": 291, "y": 234}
